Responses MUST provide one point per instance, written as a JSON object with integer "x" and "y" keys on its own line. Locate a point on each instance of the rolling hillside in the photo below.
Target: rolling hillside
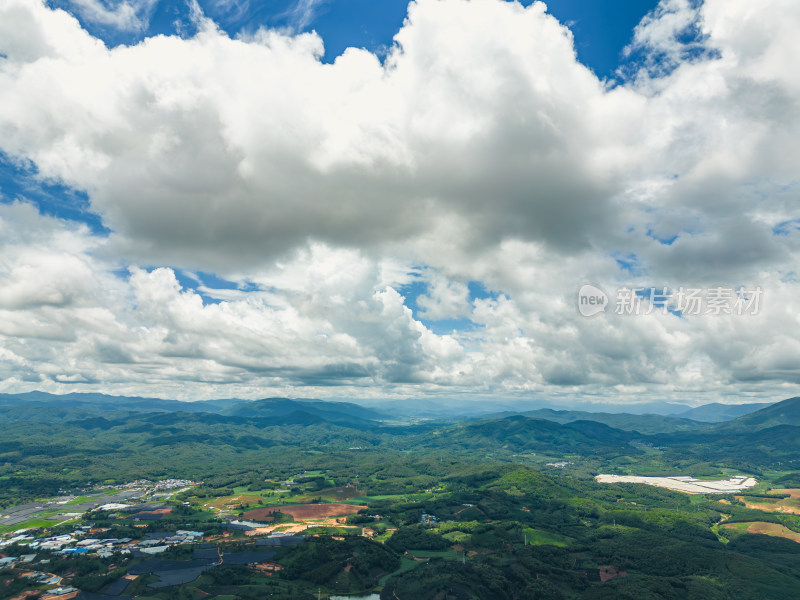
{"x": 716, "y": 412}
{"x": 519, "y": 433}
{"x": 647, "y": 423}
{"x": 786, "y": 412}
{"x": 334, "y": 412}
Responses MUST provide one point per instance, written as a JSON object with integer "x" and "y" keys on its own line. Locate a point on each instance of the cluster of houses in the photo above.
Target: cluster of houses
{"x": 426, "y": 519}
{"x": 69, "y": 544}
{"x": 164, "y": 484}
{"x": 159, "y": 542}
{"x": 40, "y": 578}
{"x": 10, "y": 561}
{"x": 170, "y": 484}
{"x": 20, "y": 537}
{"x": 43, "y": 578}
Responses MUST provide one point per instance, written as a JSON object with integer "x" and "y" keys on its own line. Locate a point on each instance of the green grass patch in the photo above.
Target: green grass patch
{"x": 82, "y": 499}
{"x": 79, "y": 500}
{"x": 718, "y": 530}
{"x": 465, "y": 526}
{"x": 537, "y": 537}
{"x": 362, "y": 499}
{"x": 449, "y": 554}
{"x": 51, "y": 513}
{"x": 456, "y": 536}
{"x": 330, "y": 531}
{"x": 406, "y": 564}
{"x": 383, "y": 537}
{"x": 403, "y": 497}
{"x": 37, "y": 523}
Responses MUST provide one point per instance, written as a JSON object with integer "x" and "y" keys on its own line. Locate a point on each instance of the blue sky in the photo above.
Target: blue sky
{"x": 601, "y": 29}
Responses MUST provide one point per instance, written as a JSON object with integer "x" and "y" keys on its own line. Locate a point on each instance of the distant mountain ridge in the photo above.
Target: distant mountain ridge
{"x": 446, "y": 408}
{"x": 280, "y": 411}
{"x": 76, "y": 406}
{"x": 133, "y": 403}
{"x": 335, "y": 412}
{"x": 716, "y": 412}
{"x": 647, "y": 423}
{"x": 786, "y": 412}
{"x": 50, "y": 426}
{"x": 521, "y": 434}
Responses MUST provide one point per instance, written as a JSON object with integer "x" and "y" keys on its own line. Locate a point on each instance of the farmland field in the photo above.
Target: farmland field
{"x": 765, "y": 528}
{"x": 340, "y": 493}
{"x": 536, "y": 537}
{"x": 224, "y": 502}
{"x": 789, "y": 505}
{"x": 307, "y": 511}
{"x": 332, "y": 494}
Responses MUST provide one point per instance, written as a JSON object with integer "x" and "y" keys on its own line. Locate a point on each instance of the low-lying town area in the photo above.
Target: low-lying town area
{"x": 142, "y": 535}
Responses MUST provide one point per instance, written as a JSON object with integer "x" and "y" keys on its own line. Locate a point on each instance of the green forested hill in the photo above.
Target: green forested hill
{"x": 786, "y": 412}
{"x": 716, "y": 412}
{"x": 519, "y": 434}
{"x": 335, "y": 412}
{"x": 625, "y": 421}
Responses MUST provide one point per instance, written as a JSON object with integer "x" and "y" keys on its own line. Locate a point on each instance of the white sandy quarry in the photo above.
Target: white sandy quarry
{"x": 684, "y": 483}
